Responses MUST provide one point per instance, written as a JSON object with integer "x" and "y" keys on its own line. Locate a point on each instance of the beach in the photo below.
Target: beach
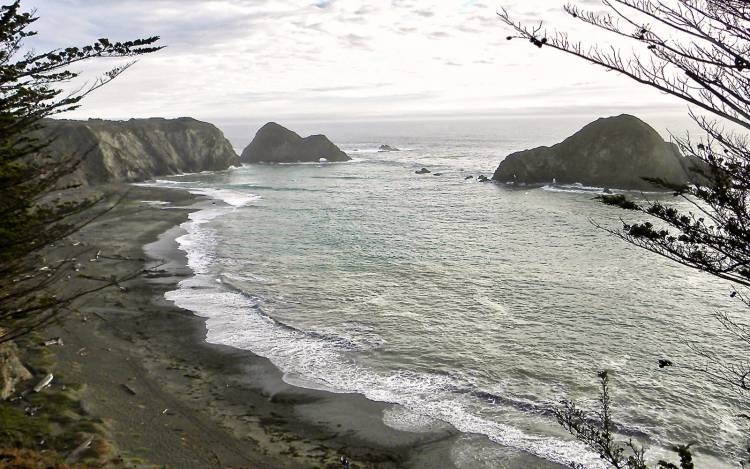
{"x": 170, "y": 399}
{"x": 295, "y": 314}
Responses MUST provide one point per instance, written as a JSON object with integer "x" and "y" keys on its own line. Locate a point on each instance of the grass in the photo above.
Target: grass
{"x": 58, "y": 426}
{"x": 28, "y": 459}
{"x": 18, "y": 430}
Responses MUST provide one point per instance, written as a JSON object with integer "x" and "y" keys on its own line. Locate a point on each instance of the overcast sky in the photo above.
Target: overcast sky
{"x": 334, "y": 59}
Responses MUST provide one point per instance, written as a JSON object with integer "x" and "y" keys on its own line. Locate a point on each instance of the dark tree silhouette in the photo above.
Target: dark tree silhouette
{"x": 699, "y": 52}
{"x": 37, "y": 206}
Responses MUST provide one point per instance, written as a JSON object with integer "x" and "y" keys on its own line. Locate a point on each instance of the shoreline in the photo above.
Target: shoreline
{"x": 352, "y": 423}
{"x": 195, "y": 404}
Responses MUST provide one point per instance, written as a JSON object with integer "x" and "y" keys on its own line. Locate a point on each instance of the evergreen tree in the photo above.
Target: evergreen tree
{"x": 37, "y": 207}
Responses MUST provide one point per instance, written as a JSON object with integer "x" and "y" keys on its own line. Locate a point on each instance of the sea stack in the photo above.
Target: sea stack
{"x": 616, "y": 152}
{"x": 276, "y": 144}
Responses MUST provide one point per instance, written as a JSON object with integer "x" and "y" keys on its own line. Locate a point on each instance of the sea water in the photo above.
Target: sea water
{"x": 474, "y": 304}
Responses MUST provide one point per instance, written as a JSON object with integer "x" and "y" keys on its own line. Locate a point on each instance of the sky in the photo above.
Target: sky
{"x": 336, "y": 60}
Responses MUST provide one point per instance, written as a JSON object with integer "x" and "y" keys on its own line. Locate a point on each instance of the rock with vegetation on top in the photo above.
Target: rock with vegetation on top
{"x": 616, "y": 152}
{"x": 276, "y": 144}
{"x": 139, "y": 149}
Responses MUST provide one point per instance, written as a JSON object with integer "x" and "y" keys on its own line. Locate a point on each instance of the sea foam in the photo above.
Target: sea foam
{"x": 228, "y": 196}
{"x": 319, "y": 359}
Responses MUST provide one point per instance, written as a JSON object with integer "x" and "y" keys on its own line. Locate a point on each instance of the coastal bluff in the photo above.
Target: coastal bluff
{"x": 616, "y": 152}
{"x": 274, "y": 143}
{"x": 138, "y": 149}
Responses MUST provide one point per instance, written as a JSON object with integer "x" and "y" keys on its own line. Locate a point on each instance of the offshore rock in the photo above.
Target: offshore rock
{"x": 276, "y": 144}
{"x": 616, "y": 152}
{"x": 387, "y": 148}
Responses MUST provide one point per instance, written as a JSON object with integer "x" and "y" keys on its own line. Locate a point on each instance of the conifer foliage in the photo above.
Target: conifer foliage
{"x": 37, "y": 207}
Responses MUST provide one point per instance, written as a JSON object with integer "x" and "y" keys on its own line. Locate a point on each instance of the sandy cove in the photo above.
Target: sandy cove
{"x": 171, "y": 399}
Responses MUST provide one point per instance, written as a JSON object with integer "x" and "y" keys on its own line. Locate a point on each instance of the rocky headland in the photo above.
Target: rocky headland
{"x": 276, "y": 144}
{"x": 138, "y": 149}
{"x": 617, "y": 152}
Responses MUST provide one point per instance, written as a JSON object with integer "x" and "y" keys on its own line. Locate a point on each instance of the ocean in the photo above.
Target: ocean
{"x": 471, "y": 304}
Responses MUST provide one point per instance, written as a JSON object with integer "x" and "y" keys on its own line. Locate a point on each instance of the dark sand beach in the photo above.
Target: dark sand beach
{"x": 170, "y": 399}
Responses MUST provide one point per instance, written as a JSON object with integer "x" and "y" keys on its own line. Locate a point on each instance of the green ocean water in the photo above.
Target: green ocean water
{"x": 476, "y": 305}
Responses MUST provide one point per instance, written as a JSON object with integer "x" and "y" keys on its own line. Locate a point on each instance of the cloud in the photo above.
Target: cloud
{"x": 425, "y": 13}
{"x": 244, "y": 58}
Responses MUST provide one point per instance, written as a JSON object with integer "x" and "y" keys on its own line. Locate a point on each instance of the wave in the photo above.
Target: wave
{"x": 401, "y": 418}
{"x": 324, "y": 163}
{"x": 371, "y": 150}
{"x": 362, "y": 150}
{"x": 158, "y": 182}
{"x": 575, "y": 189}
{"x": 228, "y": 196}
{"x": 581, "y": 189}
{"x": 234, "y": 320}
{"x": 210, "y": 171}
{"x": 279, "y": 188}
{"x": 321, "y": 359}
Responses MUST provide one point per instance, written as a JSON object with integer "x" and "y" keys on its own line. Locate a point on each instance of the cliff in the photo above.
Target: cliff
{"x": 616, "y": 152}
{"x": 274, "y": 143}
{"x": 139, "y": 149}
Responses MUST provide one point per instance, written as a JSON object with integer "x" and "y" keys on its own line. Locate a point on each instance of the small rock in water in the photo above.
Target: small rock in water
{"x": 607, "y": 190}
{"x": 482, "y": 178}
{"x": 387, "y": 148}
{"x": 437, "y": 174}
{"x": 468, "y": 177}
{"x": 423, "y": 171}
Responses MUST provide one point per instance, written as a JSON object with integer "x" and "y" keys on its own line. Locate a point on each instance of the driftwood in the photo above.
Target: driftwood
{"x": 46, "y": 381}
{"x": 129, "y": 389}
{"x": 54, "y": 341}
{"x": 79, "y": 449}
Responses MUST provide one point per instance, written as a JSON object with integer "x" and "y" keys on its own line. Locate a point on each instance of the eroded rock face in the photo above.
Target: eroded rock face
{"x": 276, "y": 144}
{"x": 615, "y": 152}
{"x": 12, "y": 371}
{"x": 139, "y": 149}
